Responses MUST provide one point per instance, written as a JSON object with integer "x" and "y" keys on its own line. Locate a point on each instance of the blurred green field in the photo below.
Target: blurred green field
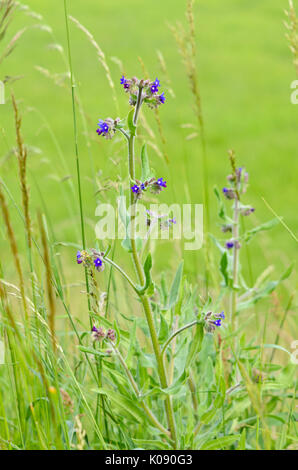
{"x": 245, "y": 71}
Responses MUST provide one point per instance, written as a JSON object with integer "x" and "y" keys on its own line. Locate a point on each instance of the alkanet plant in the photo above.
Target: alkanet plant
{"x": 172, "y": 316}
{"x": 146, "y": 92}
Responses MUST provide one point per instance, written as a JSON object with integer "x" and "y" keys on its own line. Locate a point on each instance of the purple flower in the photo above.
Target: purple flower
{"x": 143, "y": 186}
{"x": 126, "y": 83}
{"x": 248, "y": 211}
{"x": 229, "y": 193}
{"x": 154, "y": 89}
{"x": 162, "y": 98}
{"x": 97, "y": 263}
{"x": 111, "y": 335}
{"x": 103, "y": 128}
{"x": 213, "y": 319}
{"x": 97, "y": 334}
{"x": 161, "y": 182}
{"x": 135, "y": 189}
{"x": 79, "y": 257}
{"x": 157, "y": 82}
{"x": 229, "y": 245}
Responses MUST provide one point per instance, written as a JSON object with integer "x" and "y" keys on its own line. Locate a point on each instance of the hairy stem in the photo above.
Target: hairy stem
{"x": 140, "y": 273}
{"x": 233, "y": 300}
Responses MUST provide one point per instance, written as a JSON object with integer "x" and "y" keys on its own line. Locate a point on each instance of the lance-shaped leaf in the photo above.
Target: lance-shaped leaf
{"x": 174, "y": 292}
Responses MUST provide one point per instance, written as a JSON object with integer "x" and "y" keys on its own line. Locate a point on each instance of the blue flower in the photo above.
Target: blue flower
{"x": 79, "y": 257}
{"x": 217, "y": 322}
{"x": 162, "y": 182}
{"x": 229, "y": 245}
{"x": 122, "y": 80}
{"x": 154, "y": 89}
{"x": 222, "y": 315}
{"x": 157, "y": 82}
{"x": 103, "y": 128}
{"x": 135, "y": 189}
{"x": 97, "y": 263}
{"x": 143, "y": 186}
{"x": 162, "y": 98}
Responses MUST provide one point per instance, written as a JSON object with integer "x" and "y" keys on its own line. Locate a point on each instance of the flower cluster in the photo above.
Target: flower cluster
{"x": 154, "y": 185}
{"x": 247, "y": 211}
{"x": 238, "y": 181}
{"x": 231, "y": 244}
{"x": 107, "y": 128}
{"x": 162, "y": 220}
{"x": 212, "y": 320}
{"x": 99, "y": 334}
{"x": 91, "y": 259}
{"x": 150, "y": 91}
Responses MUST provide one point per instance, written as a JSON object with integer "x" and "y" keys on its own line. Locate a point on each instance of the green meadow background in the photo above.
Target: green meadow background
{"x": 245, "y": 72}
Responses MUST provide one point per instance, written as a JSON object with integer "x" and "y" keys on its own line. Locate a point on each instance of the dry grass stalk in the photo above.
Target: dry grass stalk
{"x": 164, "y": 70}
{"x": 7, "y": 8}
{"x": 50, "y": 291}
{"x": 292, "y": 35}
{"x": 22, "y": 161}
{"x": 80, "y": 433}
{"x": 187, "y": 48}
{"x": 14, "y": 248}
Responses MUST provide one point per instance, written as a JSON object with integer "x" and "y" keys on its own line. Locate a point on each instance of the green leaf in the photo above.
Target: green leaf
{"x": 92, "y": 351}
{"x": 223, "y": 267}
{"x": 146, "y": 173}
{"x": 260, "y": 228}
{"x": 195, "y": 345}
{"x": 242, "y": 441}
{"x": 265, "y": 291}
{"x": 220, "y": 443}
{"x": 163, "y": 329}
{"x": 220, "y": 398}
{"x": 174, "y": 292}
{"x": 127, "y": 406}
{"x": 148, "y": 280}
{"x": 221, "y": 207}
{"x": 126, "y": 244}
{"x": 178, "y": 305}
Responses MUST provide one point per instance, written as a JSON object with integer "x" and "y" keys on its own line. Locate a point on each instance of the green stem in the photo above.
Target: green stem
{"x": 189, "y": 325}
{"x": 122, "y": 272}
{"x": 139, "y": 269}
{"x": 233, "y": 300}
